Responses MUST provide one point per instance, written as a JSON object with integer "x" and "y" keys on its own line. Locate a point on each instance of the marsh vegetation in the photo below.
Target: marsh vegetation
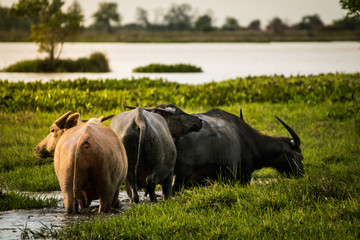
{"x": 167, "y": 68}
{"x": 324, "y": 111}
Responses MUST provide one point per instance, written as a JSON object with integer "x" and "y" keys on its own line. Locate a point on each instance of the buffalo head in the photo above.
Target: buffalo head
{"x": 46, "y": 147}
{"x": 179, "y": 122}
{"x": 286, "y": 154}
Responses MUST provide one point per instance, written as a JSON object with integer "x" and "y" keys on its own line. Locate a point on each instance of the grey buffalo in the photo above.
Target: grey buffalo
{"x": 150, "y": 148}
{"x": 226, "y": 144}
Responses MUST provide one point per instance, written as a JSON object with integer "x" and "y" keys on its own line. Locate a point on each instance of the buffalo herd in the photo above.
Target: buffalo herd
{"x": 144, "y": 147}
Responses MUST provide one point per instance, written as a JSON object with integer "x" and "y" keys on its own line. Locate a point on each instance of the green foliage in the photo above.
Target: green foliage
{"x": 96, "y": 63}
{"x": 353, "y": 6}
{"x": 311, "y": 22}
{"x": 87, "y": 95}
{"x": 345, "y": 23}
{"x": 9, "y": 22}
{"x": 231, "y": 24}
{"x": 142, "y": 17}
{"x": 106, "y": 14}
{"x": 276, "y": 25}
{"x": 255, "y": 25}
{"x": 52, "y": 26}
{"x": 164, "y": 68}
{"x": 179, "y": 17}
{"x": 203, "y": 23}
{"x": 14, "y": 200}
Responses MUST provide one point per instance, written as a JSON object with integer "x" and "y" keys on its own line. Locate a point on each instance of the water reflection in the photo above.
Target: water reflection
{"x": 13, "y": 223}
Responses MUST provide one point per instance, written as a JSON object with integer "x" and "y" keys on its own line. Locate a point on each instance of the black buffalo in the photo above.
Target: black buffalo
{"x": 226, "y": 144}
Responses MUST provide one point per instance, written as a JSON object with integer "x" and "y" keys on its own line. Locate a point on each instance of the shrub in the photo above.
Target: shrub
{"x": 161, "y": 68}
{"x": 96, "y": 63}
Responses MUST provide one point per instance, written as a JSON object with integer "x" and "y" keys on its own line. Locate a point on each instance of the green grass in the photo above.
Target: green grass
{"x": 167, "y": 68}
{"x": 97, "y": 62}
{"x": 14, "y": 200}
{"x": 324, "y": 111}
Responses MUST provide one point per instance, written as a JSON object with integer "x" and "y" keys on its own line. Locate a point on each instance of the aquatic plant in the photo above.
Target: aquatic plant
{"x": 167, "y": 68}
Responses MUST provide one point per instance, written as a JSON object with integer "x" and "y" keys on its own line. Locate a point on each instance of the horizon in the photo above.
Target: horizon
{"x": 244, "y": 11}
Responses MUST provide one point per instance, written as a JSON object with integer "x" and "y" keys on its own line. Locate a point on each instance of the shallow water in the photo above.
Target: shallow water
{"x": 13, "y": 223}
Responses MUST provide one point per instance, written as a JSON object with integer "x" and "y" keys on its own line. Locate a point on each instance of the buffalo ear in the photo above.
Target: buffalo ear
{"x": 60, "y": 122}
{"x": 72, "y": 121}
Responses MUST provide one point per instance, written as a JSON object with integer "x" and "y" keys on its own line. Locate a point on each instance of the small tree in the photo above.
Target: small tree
{"x": 231, "y": 24}
{"x": 255, "y": 25}
{"x": 179, "y": 17}
{"x": 106, "y": 14}
{"x": 276, "y": 25}
{"x": 311, "y": 22}
{"x": 51, "y": 25}
{"x": 204, "y": 23}
{"x": 142, "y": 17}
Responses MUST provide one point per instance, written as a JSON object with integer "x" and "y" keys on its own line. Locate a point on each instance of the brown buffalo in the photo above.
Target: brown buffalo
{"x": 90, "y": 162}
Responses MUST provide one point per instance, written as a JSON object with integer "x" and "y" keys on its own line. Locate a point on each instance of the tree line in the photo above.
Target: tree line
{"x": 179, "y": 17}
{"x": 50, "y": 25}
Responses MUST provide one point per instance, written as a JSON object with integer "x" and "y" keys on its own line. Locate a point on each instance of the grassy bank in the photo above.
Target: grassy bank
{"x": 97, "y": 62}
{"x": 324, "y": 111}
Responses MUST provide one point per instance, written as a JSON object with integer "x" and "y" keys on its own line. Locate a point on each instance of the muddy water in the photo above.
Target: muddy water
{"x": 13, "y": 223}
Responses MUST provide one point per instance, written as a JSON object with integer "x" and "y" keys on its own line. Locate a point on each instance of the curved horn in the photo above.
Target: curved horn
{"x": 291, "y": 131}
{"x": 146, "y": 109}
{"x": 106, "y": 117}
{"x": 59, "y": 121}
{"x": 167, "y": 110}
{"x": 241, "y": 115}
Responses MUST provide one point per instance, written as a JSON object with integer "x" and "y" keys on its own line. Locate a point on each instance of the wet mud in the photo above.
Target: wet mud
{"x": 18, "y": 224}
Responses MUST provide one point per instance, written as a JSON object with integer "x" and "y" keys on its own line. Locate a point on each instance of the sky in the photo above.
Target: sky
{"x": 290, "y": 11}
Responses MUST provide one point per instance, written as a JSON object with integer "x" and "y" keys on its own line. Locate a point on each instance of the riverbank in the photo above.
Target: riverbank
{"x": 323, "y": 110}
{"x": 143, "y": 36}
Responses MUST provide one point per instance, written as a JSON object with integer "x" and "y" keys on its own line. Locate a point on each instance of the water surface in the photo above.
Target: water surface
{"x": 219, "y": 61}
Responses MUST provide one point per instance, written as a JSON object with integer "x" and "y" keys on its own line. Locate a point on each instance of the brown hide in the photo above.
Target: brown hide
{"x": 91, "y": 163}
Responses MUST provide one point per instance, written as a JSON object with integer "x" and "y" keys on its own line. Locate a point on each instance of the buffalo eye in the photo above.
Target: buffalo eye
{"x": 292, "y": 143}
{"x": 52, "y": 130}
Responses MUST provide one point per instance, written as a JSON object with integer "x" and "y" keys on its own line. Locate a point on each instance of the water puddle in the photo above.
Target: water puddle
{"x": 17, "y": 224}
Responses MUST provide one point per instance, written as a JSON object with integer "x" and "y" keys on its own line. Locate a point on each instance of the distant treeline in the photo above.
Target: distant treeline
{"x": 181, "y": 18}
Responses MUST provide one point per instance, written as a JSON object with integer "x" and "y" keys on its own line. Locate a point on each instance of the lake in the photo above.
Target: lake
{"x": 219, "y": 61}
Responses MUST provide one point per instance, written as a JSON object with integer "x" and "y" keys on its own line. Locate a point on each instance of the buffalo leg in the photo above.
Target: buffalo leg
{"x": 69, "y": 202}
{"x": 116, "y": 202}
{"x": 158, "y": 174}
{"x": 166, "y": 186}
{"x": 106, "y": 200}
{"x": 151, "y": 190}
{"x": 183, "y": 173}
{"x": 131, "y": 189}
